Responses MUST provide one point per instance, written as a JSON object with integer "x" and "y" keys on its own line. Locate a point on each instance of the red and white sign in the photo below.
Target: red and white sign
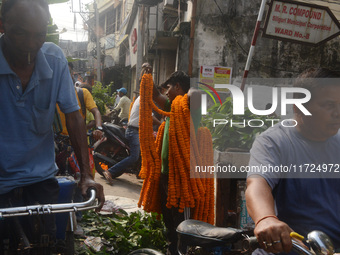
{"x": 300, "y": 22}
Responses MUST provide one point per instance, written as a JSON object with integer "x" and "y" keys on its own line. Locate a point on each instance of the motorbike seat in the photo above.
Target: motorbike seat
{"x": 117, "y": 130}
{"x": 198, "y": 233}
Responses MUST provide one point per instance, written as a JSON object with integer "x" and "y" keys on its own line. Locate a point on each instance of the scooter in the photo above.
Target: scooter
{"x": 111, "y": 149}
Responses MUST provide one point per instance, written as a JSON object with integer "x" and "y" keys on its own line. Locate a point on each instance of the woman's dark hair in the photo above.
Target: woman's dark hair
{"x": 313, "y": 78}
{"x": 7, "y": 5}
{"x": 181, "y": 78}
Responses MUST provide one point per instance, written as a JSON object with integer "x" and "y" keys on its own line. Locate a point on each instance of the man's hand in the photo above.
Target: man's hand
{"x": 97, "y": 134}
{"x": 273, "y": 235}
{"x": 86, "y": 183}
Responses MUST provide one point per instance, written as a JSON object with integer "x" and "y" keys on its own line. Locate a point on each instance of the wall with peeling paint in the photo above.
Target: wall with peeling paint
{"x": 224, "y": 29}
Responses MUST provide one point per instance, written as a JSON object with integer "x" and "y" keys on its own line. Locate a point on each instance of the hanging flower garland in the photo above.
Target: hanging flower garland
{"x": 185, "y": 187}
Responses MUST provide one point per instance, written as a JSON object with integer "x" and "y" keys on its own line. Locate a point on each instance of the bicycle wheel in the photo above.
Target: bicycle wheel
{"x": 145, "y": 251}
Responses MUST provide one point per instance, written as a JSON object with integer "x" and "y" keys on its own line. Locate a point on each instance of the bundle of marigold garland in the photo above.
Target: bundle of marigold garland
{"x": 185, "y": 188}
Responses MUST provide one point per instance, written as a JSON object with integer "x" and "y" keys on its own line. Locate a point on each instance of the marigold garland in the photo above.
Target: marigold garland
{"x": 186, "y": 188}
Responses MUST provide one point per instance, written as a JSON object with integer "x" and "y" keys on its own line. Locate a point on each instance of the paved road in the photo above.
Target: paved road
{"x": 127, "y": 185}
{"x": 123, "y": 193}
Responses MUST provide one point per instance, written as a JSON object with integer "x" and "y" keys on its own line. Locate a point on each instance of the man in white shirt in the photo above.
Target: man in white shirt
{"x": 124, "y": 104}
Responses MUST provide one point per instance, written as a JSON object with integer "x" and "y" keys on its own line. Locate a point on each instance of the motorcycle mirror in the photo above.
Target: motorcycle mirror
{"x": 320, "y": 243}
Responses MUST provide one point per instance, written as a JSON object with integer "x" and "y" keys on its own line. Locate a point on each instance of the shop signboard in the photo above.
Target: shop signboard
{"x": 211, "y": 75}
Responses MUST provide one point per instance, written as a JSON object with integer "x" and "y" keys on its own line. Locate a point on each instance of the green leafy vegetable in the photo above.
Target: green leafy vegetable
{"x": 124, "y": 232}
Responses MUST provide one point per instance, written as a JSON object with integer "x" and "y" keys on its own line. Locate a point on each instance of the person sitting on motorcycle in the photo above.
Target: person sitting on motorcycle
{"x": 34, "y": 77}
{"x": 305, "y": 199}
{"x": 123, "y": 105}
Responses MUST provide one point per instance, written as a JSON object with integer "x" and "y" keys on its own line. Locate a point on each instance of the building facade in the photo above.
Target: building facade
{"x": 188, "y": 34}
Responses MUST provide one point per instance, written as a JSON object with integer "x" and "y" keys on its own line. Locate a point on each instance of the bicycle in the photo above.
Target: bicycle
{"x": 218, "y": 241}
{"x": 22, "y": 245}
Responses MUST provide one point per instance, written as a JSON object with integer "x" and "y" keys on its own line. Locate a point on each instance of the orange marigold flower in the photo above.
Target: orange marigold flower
{"x": 185, "y": 188}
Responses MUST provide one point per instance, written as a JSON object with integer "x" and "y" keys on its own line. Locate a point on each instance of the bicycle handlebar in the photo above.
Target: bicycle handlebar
{"x": 253, "y": 244}
{"x": 300, "y": 249}
{"x": 50, "y": 208}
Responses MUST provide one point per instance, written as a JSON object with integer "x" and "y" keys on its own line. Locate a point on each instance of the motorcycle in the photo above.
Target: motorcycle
{"x": 111, "y": 149}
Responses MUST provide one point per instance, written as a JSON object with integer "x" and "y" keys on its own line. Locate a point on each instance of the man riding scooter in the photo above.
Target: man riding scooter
{"x": 123, "y": 105}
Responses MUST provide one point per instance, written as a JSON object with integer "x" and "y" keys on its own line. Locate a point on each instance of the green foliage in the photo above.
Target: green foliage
{"x": 102, "y": 97}
{"x": 125, "y": 232}
{"x": 236, "y": 136}
{"x": 70, "y": 59}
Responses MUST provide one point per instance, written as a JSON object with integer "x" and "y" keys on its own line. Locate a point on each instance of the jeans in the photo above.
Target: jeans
{"x": 132, "y": 135}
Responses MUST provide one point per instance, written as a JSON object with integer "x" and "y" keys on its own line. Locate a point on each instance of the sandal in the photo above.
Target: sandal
{"x": 108, "y": 177}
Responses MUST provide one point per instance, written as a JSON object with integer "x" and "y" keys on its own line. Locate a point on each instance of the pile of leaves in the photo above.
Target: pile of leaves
{"x": 237, "y": 137}
{"x": 122, "y": 232}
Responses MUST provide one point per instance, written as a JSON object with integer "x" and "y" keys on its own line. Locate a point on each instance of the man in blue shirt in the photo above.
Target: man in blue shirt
{"x": 34, "y": 76}
{"x": 306, "y": 197}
